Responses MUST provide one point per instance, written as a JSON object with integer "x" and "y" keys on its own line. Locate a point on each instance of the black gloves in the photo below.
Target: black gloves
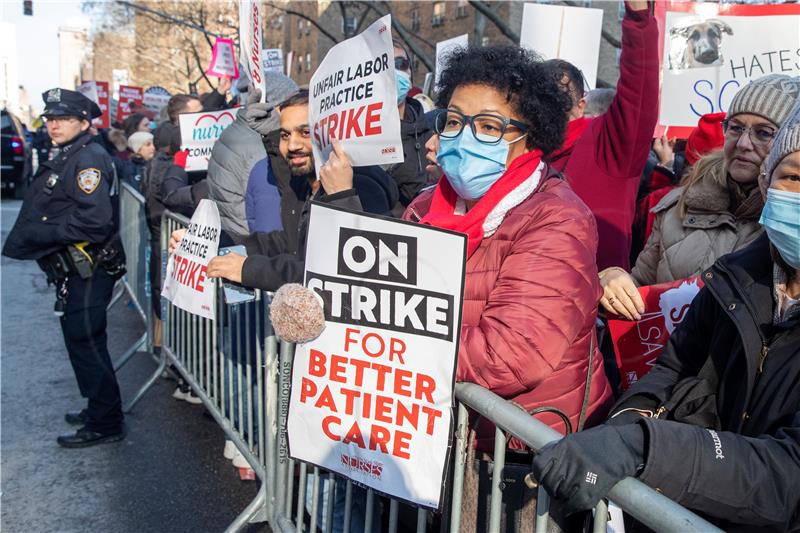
{"x": 581, "y": 468}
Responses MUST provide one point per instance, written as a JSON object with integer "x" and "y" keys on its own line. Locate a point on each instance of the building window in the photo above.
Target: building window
{"x": 484, "y": 41}
{"x": 621, "y": 11}
{"x": 308, "y": 62}
{"x": 299, "y": 27}
{"x": 299, "y": 64}
{"x": 438, "y": 14}
{"x": 415, "y": 20}
{"x": 415, "y": 63}
{"x": 308, "y": 27}
{"x": 461, "y": 9}
{"x": 349, "y": 25}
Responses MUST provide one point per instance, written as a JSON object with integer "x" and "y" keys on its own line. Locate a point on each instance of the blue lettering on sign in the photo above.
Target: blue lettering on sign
{"x": 704, "y": 97}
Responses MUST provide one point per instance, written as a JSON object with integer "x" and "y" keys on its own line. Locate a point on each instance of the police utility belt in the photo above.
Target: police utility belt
{"x": 82, "y": 259}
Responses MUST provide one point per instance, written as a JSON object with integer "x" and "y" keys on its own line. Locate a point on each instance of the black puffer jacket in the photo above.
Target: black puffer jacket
{"x": 410, "y": 175}
{"x": 726, "y": 391}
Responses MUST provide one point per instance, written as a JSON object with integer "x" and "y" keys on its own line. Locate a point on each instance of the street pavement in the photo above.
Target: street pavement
{"x": 167, "y": 476}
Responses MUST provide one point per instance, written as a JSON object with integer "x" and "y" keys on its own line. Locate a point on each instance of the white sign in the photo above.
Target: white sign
{"x": 372, "y": 396}
{"x": 701, "y": 75}
{"x": 199, "y": 132}
{"x": 223, "y": 60}
{"x": 445, "y": 47}
{"x": 156, "y": 98}
{"x": 568, "y": 33}
{"x": 186, "y": 284}
{"x": 273, "y": 60}
{"x": 89, "y": 90}
{"x": 289, "y": 59}
{"x": 250, "y": 43}
{"x": 354, "y": 99}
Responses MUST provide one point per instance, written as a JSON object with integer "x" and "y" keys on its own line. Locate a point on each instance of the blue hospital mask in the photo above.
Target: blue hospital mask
{"x": 471, "y": 166}
{"x": 781, "y": 218}
{"x": 403, "y": 80}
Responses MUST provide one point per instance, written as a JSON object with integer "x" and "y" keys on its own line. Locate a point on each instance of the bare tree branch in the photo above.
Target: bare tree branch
{"x": 403, "y": 33}
{"x": 490, "y": 15}
{"x": 303, "y": 16}
{"x": 168, "y": 17}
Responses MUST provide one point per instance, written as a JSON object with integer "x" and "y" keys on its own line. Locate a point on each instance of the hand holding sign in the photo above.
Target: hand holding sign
{"x": 224, "y": 85}
{"x": 336, "y": 174}
{"x": 227, "y": 266}
{"x": 175, "y": 239}
{"x": 620, "y": 294}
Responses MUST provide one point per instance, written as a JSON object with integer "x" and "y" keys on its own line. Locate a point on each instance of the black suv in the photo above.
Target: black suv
{"x": 15, "y": 157}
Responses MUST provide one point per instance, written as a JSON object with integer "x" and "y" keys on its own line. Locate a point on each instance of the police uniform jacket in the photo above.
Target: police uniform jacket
{"x": 72, "y": 199}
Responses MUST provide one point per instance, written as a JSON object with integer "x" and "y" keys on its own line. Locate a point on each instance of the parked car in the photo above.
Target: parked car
{"x": 16, "y": 157}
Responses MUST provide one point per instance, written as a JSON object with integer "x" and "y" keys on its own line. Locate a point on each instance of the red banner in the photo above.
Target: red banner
{"x": 102, "y": 101}
{"x": 128, "y": 95}
{"x": 639, "y": 343}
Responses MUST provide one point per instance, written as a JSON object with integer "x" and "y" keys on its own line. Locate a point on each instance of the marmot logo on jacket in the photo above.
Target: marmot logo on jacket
{"x": 717, "y": 444}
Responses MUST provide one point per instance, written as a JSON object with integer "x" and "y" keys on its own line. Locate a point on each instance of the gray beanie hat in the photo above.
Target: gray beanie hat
{"x": 279, "y": 87}
{"x": 771, "y": 96}
{"x": 786, "y": 142}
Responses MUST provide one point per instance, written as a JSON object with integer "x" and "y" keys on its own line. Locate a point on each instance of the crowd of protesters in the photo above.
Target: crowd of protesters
{"x": 569, "y": 206}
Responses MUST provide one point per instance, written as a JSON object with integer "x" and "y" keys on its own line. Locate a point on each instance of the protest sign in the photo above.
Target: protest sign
{"x": 127, "y": 96}
{"x": 372, "y": 396}
{"x": 551, "y": 31}
{"x": 199, "y": 132}
{"x": 186, "y": 284}
{"x": 223, "y": 60}
{"x": 273, "y": 60}
{"x": 639, "y": 343}
{"x": 289, "y": 60}
{"x": 250, "y": 43}
{"x": 354, "y": 99}
{"x": 97, "y": 91}
{"x": 156, "y": 98}
{"x": 709, "y": 50}
{"x": 442, "y": 49}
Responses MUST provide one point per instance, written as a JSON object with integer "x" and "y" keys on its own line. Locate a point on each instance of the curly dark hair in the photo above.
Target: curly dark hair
{"x": 536, "y": 98}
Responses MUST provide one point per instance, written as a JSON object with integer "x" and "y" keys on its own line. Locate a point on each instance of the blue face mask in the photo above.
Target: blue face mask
{"x": 781, "y": 218}
{"x": 403, "y": 80}
{"x": 471, "y": 166}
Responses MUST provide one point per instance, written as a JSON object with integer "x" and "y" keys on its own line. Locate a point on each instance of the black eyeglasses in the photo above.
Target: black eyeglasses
{"x": 759, "y": 135}
{"x": 402, "y": 63}
{"x": 486, "y": 127}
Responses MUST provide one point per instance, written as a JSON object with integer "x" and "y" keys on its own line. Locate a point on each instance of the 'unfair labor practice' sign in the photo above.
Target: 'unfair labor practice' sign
{"x": 199, "y": 132}
{"x": 639, "y": 343}
{"x": 711, "y": 50}
{"x": 186, "y": 284}
{"x": 354, "y": 99}
{"x": 372, "y": 396}
{"x": 552, "y": 32}
{"x": 223, "y": 60}
{"x": 250, "y": 43}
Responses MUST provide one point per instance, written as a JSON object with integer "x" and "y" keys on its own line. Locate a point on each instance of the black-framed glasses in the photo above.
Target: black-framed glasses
{"x": 402, "y": 63}
{"x": 760, "y": 135}
{"x": 486, "y": 127}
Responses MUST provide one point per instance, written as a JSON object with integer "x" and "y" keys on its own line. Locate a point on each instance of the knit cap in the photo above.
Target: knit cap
{"x": 706, "y": 137}
{"x": 771, "y": 96}
{"x": 279, "y": 87}
{"x": 138, "y": 139}
{"x": 786, "y": 142}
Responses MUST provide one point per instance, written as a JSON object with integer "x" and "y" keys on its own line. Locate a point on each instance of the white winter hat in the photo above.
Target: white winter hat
{"x": 137, "y": 140}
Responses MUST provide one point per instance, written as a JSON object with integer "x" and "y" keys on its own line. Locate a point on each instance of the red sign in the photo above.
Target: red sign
{"x": 639, "y": 343}
{"x": 128, "y": 95}
{"x": 102, "y": 101}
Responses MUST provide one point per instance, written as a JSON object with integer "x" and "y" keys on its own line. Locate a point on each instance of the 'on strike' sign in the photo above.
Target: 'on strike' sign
{"x": 372, "y": 396}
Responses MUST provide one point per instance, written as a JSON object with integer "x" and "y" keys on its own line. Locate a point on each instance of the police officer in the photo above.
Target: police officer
{"x": 69, "y": 224}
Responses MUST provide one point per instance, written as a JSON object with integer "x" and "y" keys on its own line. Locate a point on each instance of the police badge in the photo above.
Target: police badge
{"x": 89, "y": 179}
{"x": 54, "y": 95}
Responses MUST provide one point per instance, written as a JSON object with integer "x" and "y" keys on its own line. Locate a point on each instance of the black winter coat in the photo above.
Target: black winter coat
{"x": 726, "y": 395}
{"x": 165, "y": 186}
{"x": 410, "y": 175}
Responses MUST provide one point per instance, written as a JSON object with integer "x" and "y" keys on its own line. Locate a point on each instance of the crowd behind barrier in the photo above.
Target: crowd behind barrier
{"x": 242, "y": 373}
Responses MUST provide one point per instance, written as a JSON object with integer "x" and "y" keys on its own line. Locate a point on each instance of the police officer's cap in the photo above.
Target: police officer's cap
{"x": 66, "y": 103}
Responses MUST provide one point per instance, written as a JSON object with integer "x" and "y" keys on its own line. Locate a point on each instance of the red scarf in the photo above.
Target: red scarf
{"x": 443, "y": 203}
{"x": 575, "y": 129}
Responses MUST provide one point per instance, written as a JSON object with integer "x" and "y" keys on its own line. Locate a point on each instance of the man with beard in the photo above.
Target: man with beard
{"x": 278, "y": 257}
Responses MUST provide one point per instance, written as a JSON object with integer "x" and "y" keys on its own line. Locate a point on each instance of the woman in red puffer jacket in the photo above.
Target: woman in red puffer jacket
{"x": 531, "y": 291}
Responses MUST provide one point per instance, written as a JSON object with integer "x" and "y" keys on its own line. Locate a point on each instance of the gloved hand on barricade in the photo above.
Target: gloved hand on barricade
{"x": 581, "y": 468}
{"x": 296, "y": 313}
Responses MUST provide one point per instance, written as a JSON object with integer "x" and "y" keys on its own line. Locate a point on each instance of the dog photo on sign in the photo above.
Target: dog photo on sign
{"x": 697, "y": 43}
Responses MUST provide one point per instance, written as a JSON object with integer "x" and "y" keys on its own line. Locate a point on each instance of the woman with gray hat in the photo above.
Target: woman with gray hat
{"x": 715, "y": 425}
{"x": 717, "y": 211}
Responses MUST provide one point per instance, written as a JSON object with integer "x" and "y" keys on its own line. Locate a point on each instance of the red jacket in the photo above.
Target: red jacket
{"x": 605, "y": 164}
{"x": 530, "y": 302}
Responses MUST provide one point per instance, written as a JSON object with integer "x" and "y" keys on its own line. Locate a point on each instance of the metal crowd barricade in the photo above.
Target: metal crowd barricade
{"x": 242, "y": 374}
